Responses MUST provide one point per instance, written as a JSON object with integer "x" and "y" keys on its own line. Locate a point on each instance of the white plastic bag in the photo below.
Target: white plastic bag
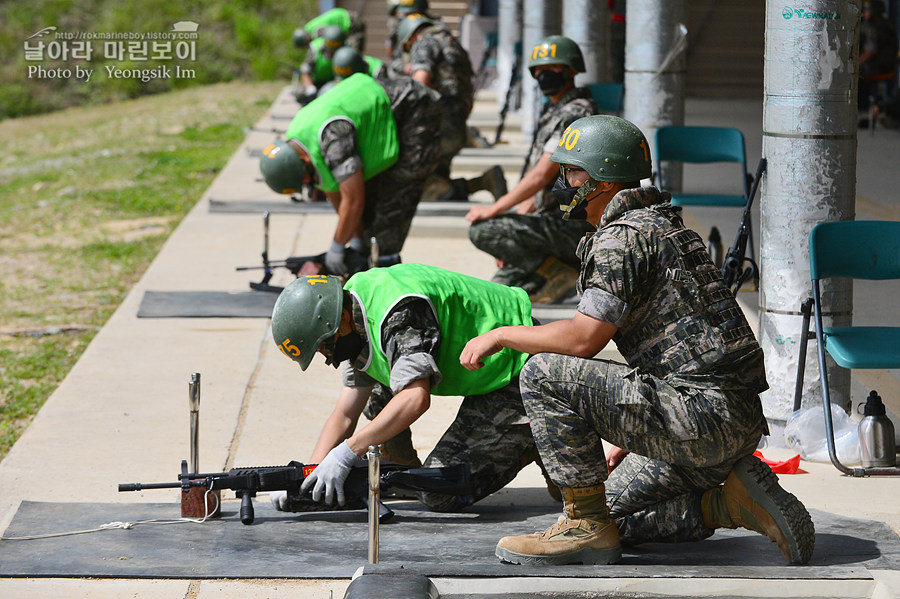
{"x": 805, "y": 431}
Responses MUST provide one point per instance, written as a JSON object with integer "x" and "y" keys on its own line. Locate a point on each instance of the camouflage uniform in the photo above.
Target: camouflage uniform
{"x": 392, "y": 195}
{"x": 490, "y": 432}
{"x": 686, "y": 405}
{"x": 441, "y": 54}
{"x": 524, "y": 241}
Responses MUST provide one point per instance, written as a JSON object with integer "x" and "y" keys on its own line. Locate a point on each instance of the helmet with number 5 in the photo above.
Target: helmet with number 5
{"x": 557, "y": 49}
{"x": 306, "y": 313}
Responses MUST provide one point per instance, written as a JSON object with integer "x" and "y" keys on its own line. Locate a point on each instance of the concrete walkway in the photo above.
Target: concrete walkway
{"x": 121, "y": 415}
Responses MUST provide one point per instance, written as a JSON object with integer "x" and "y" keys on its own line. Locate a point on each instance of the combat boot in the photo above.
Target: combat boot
{"x": 584, "y": 534}
{"x": 559, "y": 282}
{"x": 491, "y": 180}
{"x": 751, "y": 498}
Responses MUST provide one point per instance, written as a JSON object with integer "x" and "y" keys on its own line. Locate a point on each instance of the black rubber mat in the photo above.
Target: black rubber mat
{"x": 287, "y": 206}
{"x": 207, "y": 304}
{"x": 335, "y": 545}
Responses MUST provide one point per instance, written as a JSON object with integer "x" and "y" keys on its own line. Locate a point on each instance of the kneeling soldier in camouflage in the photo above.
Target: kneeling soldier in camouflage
{"x": 683, "y": 414}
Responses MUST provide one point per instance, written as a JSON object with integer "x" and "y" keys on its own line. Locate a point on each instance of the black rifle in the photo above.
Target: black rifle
{"x": 355, "y": 262}
{"x": 733, "y": 271}
{"x": 246, "y": 482}
{"x": 511, "y": 91}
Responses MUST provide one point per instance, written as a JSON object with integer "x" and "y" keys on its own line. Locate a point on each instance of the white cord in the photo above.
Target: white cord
{"x": 125, "y": 525}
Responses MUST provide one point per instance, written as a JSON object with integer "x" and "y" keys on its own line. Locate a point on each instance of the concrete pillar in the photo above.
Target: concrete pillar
{"x": 540, "y": 18}
{"x": 509, "y": 33}
{"x": 654, "y": 70}
{"x": 587, "y": 23}
{"x": 809, "y": 140}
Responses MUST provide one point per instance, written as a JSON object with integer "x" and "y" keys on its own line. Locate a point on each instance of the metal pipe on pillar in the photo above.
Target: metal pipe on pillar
{"x": 509, "y": 33}
{"x": 809, "y": 140}
{"x": 587, "y": 23}
{"x": 655, "y": 70}
{"x": 540, "y": 18}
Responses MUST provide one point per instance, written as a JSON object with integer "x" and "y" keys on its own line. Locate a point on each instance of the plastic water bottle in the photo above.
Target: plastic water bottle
{"x": 876, "y": 435}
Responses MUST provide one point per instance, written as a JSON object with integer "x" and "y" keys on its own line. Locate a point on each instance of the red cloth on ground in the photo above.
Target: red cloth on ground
{"x": 789, "y": 466}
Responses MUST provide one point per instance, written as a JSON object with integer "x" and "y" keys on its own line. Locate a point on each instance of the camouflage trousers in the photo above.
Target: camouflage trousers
{"x": 683, "y": 441}
{"x": 453, "y": 133}
{"x": 393, "y": 195}
{"x": 490, "y": 433}
{"x": 524, "y": 241}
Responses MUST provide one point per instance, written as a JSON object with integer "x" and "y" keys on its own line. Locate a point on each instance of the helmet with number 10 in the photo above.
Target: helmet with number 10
{"x": 306, "y": 313}
{"x": 609, "y": 148}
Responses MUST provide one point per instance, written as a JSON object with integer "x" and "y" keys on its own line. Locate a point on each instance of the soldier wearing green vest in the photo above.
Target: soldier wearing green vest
{"x": 348, "y": 61}
{"x": 683, "y": 413}
{"x": 369, "y": 145}
{"x": 316, "y": 70}
{"x": 399, "y": 330}
{"x": 350, "y": 23}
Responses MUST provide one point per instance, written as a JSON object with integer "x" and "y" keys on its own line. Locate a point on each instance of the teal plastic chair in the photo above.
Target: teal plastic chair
{"x": 855, "y": 250}
{"x": 706, "y": 145}
{"x": 609, "y": 97}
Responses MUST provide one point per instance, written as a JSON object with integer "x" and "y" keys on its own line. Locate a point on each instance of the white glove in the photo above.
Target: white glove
{"x": 279, "y": 500}
{"x": 334, "y": 259}
{"x": 310, "y": 91}
{"x": 330, "y": 474}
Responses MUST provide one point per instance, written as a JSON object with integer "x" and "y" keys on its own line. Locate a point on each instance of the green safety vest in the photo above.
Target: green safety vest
{"x": 322, "y": 72}
{"x": 335, "y": 16}
{"x": 465, "y": 307}
{"x": 374, "y": 65}
{"x": 362, "y": 101}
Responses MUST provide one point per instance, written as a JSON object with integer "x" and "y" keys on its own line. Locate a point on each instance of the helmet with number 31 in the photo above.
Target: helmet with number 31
{"x": 306, "y": 313}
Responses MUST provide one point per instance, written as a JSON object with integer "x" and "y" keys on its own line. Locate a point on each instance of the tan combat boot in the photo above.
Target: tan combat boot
{"x": 399, "y": 449}
{"x": 751, "y": 498}
{"x": 584, "y": 534}
{"x": 559, "y": 283}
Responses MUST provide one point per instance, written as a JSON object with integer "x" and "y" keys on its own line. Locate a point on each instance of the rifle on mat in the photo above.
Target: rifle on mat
{"x": 733, "y": 271}
{"x": 355, "y": 262}
{"x": 247, "y": 482}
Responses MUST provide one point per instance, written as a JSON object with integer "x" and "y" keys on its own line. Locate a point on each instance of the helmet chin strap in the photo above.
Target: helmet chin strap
{"x": 580, "y": 197}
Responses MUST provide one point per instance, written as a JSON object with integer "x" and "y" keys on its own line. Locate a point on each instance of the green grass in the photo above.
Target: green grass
{"x": 87, "y": 198}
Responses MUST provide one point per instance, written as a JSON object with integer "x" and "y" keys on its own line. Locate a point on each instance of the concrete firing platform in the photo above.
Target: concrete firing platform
{"x": 122, "y": 415}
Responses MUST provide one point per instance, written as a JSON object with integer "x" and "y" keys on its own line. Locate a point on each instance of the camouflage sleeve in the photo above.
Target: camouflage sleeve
{"x": 351, "y": 377}
{"x": 410, "y": 337}
{"x": 309, "y": 63}
{"x": 338, "y": 143}
{"x": 425, "y": 55}
{"x": 568, "y": 113}
{"x": 613, "y": 272}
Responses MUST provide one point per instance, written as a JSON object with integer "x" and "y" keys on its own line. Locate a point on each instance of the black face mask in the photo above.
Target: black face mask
{"x": 344, "y": 348}
{"x": 550, "y": 82}
{"x": 564, "y": 193}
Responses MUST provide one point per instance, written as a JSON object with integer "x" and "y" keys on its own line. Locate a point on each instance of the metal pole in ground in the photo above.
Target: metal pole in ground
{"x": 374, "y": 457}
{"x": 587, "y": 23}
{"x": 540, "y": 18}
{"x": 655, "y": 45}
{"x": 809, "y": 140}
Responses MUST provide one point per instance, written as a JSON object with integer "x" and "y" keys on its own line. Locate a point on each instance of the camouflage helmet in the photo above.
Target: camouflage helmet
{"x": 301, "y": 38}
{"x": 609, "y": 148}
{"x": 405, "y": 7}
{"x": 306, "y": 313}
{"x": 348, "y": 61}
{"x": 409, "y": 26}
{"x": 557, "y": 49}
{"x": 282, "y": 168}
